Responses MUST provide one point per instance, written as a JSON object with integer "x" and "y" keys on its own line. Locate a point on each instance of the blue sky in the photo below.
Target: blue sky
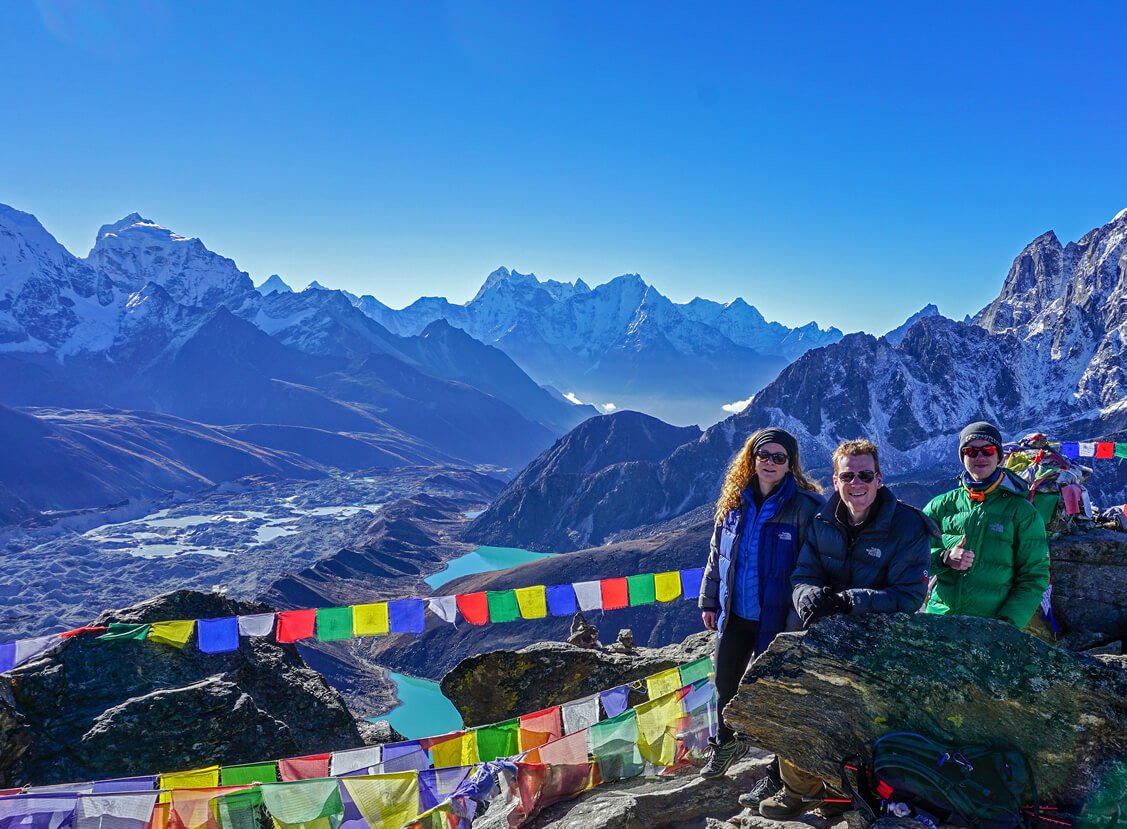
{"x": 846, "y": 163}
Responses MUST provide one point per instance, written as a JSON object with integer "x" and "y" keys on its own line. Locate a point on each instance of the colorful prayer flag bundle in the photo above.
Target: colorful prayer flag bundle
{"x": 334, "y": 624}
{"x": 543, "y": 757}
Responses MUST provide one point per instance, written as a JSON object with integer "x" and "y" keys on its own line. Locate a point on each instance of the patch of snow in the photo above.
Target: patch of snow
{"x": 571, "y": 398}
{"x": 607, "y": 408}
{"x": 738, "y": 406}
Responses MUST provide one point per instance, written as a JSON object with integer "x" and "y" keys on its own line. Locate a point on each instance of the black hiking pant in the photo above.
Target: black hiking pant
{"x": 735, "y": 648}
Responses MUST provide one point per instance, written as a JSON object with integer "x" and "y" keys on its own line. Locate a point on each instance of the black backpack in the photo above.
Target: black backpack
{"x": 908, "y": 774}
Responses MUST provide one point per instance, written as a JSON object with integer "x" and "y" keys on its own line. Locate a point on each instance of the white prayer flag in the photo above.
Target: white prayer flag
{"x": 28, "y": 649}
{"x": 583, "y": 713}
{"x": 444, "y": 607}
{"x": 589, "y": 594}
{"x": 1087, "y": 450}
{"x": 115, "y": 811}
{"x": 343, "y": 762}
{"x": 261, "y": 624}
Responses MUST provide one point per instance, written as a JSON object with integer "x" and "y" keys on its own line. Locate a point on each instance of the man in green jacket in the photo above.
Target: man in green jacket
{"x": 992, "y": 559}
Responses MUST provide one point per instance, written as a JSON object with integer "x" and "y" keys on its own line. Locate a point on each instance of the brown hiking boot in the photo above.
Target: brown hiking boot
{"x": 785, "y": 805}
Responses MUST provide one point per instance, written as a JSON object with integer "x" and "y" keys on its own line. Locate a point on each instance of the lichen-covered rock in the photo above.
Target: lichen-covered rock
{"x": 820, "y": 695}
{"x": 501, "y": 684}
{"x": 94, "y": 709}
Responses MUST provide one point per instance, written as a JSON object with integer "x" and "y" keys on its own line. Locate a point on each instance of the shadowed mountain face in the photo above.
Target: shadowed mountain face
{"x": 557, "y": 503}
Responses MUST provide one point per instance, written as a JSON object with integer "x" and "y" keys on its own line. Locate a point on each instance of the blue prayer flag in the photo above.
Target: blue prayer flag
{"x": 126, "y": 784}
{"x": 1070, "y": 450}
{"x": 561, "y": 600}
{"x": 406, "y": 616}
{"x": 690, "y": 583}
{"x": 615, "y": 700}
{"x": 7, "y": 656}
{"x": 218, "y": 635}
{"x": 437, "y": 785}
{"x": 405, "y": 756}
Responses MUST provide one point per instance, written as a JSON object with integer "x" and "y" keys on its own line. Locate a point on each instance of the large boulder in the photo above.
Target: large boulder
{"x": 819, "y": 695}
{"x": 501, "y": 684}
{"x": 1090, "y": 588}
{"x": 96, "y": 709}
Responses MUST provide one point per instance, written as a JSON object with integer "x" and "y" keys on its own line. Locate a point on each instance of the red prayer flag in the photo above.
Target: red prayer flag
{"x": 1105, "y": 450}
{"x": 474, "y": 607}
{"x": 615, "y": 594}
{"x": 303, "y": 768}
{"x": 79, "y": 631}
{"x": 546, "y": 725}
{"x": 296, "y": 624}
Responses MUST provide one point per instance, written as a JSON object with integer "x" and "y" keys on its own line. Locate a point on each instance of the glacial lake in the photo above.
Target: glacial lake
{"x": 423, "y": 711}
{"x": 483, "y": 560}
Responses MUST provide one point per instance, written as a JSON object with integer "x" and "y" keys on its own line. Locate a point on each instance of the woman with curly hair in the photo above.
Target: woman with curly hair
{"x": 765, "y": 507}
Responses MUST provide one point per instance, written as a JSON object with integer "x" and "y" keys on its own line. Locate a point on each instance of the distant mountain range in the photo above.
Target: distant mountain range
{"x": 155, "y": 322}
{"x": 622, "y": 342}
{"x": 1046, "y": 355}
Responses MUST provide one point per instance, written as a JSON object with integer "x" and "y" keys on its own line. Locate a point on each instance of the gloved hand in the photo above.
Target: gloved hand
{"x": 815, "y": 604}
{"x": 842, "y": 603}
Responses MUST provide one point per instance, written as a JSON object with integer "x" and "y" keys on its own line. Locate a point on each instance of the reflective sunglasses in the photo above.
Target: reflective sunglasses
{"x": 867, "y": 476}
{"x": 990, "y": 450}
{"x": 777, "y": 458}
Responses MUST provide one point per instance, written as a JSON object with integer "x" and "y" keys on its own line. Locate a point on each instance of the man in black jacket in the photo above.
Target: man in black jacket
{"x": 865, "y": 552}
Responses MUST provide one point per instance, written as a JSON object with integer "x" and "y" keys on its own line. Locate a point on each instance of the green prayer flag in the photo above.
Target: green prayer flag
{"x": 614, "y": 743}
{"x": 696, "y": 670}
{"x": 125, "y": 630}
{"x": 501, "y": 740}
{"x": 503, "y": 606}
{"x": 334, "y": 623}
{"x": 1121, "y": 450}
{"x": 248, "y": 773}
{"x": 641, "y": 589}
{"x": 238, "y": 810}
{"x": 312, "y": 802}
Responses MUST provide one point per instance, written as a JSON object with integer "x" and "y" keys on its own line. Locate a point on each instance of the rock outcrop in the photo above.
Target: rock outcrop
{"x": 97, "y": 709}
{"x": 496, "y": 686}
{"x": 1090, "y": 588}
{"x": 820, "y": 695}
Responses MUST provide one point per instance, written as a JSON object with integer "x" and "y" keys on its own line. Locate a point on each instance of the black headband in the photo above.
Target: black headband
{"x": 780, "y": 436}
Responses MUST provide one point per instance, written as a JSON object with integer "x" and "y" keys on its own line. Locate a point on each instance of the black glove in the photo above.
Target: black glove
{"x": 842, "y": 603}
{"x": 814, "y": 604}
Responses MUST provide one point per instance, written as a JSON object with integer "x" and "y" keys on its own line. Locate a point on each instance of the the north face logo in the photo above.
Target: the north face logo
{"x": 874, "y": 552}
{"x": 997, "y": 528}
{"x": 784, "y": 535}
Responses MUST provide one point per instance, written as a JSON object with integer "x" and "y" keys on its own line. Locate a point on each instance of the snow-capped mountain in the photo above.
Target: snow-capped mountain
{"x": 621, "y": 342}
{"x": 275, "y": 284}
{"x": 897, "y": 334}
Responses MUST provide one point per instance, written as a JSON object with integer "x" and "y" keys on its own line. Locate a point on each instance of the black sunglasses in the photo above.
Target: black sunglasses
{"x": 867, "y": 476}
{"x": 777, "y": 458}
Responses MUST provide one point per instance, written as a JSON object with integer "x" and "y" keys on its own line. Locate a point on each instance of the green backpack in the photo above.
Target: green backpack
{"x": 979, "y": 785}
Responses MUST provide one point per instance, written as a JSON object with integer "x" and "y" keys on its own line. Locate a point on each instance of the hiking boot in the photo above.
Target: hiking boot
{"x": 785, "y": 805}
{"x": 721, "y": 757}
{"x": 763, "y": 789}
{"x": 832, "y": 809}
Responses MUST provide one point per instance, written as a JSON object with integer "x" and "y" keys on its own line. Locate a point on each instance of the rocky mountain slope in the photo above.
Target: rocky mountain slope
{"x": 1045, "y": 356}
{"x": 620, "y": 342}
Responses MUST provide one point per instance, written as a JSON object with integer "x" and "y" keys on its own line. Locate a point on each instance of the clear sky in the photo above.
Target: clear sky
{"x": 841, "y": 162}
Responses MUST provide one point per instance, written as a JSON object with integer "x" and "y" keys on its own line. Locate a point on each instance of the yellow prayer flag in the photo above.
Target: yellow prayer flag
{"x": 386, "y": 801}
{"x": 657, "y": 729}
{"x": 205, "y": 778}
{"x": 459, "y": 751}
{"x": 370, "y": 619}
{"x": 172, "y": 633}
{"x": 667, "y": 586}
{"x": 664, "y": 683}
{"x": 533, "y": 601}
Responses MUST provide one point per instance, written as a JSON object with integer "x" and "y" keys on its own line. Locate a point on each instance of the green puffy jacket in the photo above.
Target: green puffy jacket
{"x": 1011, "y": 553}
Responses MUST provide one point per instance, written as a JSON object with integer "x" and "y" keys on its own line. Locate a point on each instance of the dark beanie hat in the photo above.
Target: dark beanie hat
{"x": 775, "y": 435}
{"x": 980, "y": 431}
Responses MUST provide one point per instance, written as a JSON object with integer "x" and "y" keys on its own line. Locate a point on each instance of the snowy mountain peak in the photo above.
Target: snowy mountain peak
{"x": 1122, "y": 214}
{"x": 316, "y": 286}
{"x": 124, "y": 224}
{"x": 897, "y": 334}
{"x": 274, "y": 284}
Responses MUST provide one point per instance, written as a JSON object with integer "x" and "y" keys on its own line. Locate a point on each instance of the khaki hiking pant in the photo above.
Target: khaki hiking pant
{"x": 802, "y": 783}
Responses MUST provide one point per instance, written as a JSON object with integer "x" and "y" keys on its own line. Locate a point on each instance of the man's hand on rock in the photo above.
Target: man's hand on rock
{"x": 842, "y": 603}
{"x": 959, "y": 557}
{"x": 815, "y": 604}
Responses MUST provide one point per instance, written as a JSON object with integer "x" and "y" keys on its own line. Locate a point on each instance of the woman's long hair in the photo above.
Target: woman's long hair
{"x": 742, "y": 469}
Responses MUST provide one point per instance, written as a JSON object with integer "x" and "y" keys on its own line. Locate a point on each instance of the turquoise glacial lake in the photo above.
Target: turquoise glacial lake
{"x": 423, "y": 711}
{"x": 483, "y": 560}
